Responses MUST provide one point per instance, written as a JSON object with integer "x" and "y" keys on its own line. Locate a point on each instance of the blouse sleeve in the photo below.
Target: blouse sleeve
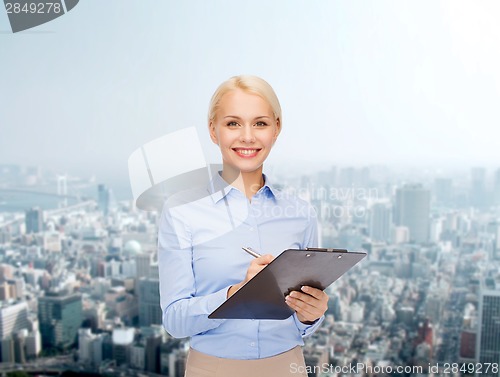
{"x": 184, "y": 313}
{"x": 310, "y": 240}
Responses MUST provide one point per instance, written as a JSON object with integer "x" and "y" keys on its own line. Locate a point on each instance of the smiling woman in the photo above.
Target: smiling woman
{"x": 200, "y": 259}
{"x": 245, "y": 126}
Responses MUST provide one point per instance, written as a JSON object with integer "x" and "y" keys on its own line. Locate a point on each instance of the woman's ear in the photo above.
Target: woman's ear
{"x": 213, "y": 134}
{"x": 278, "y": 129}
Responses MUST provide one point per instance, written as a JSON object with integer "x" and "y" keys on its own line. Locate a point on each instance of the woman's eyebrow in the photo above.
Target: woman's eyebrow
{"x": 237, "y": 117}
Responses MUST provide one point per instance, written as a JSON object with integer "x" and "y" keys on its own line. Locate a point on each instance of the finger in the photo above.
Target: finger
{"x": 320, "y": 300}
{"x": 303, "y": 297}
{"x": 267, "y": 258}
{"x": 317, "y": 305}
{"x": 306, "y": 311}
{"x": 257, "y": 264}
{"x": 263, "y": 260}
{"x": 315, "y": 292}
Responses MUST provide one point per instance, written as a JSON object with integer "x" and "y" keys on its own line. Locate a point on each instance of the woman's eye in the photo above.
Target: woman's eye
{"x": 232, "y": 124}
{"x": 261, "y": 124}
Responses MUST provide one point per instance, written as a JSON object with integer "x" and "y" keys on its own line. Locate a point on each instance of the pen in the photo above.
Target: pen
{"x": 252, "y": 252}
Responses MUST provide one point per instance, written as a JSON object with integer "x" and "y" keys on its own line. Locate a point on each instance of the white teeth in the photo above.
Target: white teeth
{"x": 246, "y": 151}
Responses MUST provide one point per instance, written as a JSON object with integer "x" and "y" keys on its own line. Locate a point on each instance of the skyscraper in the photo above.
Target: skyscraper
{"x": 143, "y": 264}
{"x": 443, "y": 191}
{"x": 477, "y": 195}
{"x": 149, "y": 299}
{"x": 488, "y": 342}
{"x": 380, "y": 222}
{"x": 325, "y": 178}
{"x": 153, "y": 344}
{"x": 123, "y": 339}
{"x": 34, "y": 220}
{"x": 496, "y": 187}
{"x": 13, "y": 317}
{"x": 60, "y": 317}
{"x": 103, "y": 198}
{"x": 413, "y": 210}
{"x": 493, "y": 228}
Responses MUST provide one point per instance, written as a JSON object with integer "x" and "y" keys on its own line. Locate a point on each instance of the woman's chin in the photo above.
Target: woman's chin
{"x": 244, "y": 168}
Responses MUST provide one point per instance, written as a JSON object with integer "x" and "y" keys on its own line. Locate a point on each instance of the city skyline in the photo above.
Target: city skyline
{"x": 13, "y": 176}
{"x": 414, "y": 302}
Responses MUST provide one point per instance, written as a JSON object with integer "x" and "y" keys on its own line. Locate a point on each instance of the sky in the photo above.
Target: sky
{"x": 360, "y": 83}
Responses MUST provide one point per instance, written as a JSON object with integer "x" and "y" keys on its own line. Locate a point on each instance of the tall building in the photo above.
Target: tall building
{"x": 138, "y": 356}
{"x": 488, "y": 339}
{"x": 60, "y": 317}
{"x": 153, "y": 344}
{"x": 149, "y": 302}
{"x": 468, "y": 345}
{"x": 477, "y": 195}
{"x": 90, "y": 347}
{"x": 19, "y": 339}
{"x": 493, "y": 228}
{"x": 123, "y": 339}
{"x": 443, "y": 191}
{"x": 34, "y": 343}
{"x": 7, "y": 350}
{"x": 346, "y": 177}
{"x": 34, "y": 220}
{"x": 325, "y": 178}
{"x": 62, "y": 190}
{"x": 103, "y": 198}
{"x": 143, "y": 263}
{"x": 425, "y": 334}
{"x": 14, "y": 336}
{"x": 7, "y": 291}
{"x": 177, "y": 362}
{"x": 85, "y": 339}
{"x": 380, "y": 222}
{"x": 412, "y": 210}
{"x": 496, "y": 187}
{"x": 6, "y": 271}
{"x": 13, "y": 318}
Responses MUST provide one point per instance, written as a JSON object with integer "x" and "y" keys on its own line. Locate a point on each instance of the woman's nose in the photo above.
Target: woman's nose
{"x": 247, "y": 134}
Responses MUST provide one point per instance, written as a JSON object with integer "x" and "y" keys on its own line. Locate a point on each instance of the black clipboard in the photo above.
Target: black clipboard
{"x": 263, "y": 297}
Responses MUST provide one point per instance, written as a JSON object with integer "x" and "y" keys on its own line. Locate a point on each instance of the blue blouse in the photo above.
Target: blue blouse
{"x": 200, "y": 237}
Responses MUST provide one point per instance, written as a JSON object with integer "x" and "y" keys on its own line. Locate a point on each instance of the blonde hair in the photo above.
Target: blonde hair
{"x": 249, "y": 84}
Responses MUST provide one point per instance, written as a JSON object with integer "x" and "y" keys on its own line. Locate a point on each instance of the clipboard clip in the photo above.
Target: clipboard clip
{"x": 326, "y": 250}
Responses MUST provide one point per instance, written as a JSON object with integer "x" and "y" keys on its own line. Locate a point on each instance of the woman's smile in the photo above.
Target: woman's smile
{"x": 246, "y": 152}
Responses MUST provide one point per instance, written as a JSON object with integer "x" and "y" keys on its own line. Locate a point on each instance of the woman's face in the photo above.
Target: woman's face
{"x": 245, "y": 130}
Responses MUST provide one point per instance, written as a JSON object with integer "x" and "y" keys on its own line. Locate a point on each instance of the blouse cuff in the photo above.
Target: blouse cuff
{"x": 306, "y": 330}
{"x": 217, "y": 298}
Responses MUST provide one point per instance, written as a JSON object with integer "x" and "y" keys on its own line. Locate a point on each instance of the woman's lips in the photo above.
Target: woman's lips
{"x": 246, "y": 152}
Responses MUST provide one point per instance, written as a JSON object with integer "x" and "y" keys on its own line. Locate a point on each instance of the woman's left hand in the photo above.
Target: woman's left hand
{"x": 310, "y": 304}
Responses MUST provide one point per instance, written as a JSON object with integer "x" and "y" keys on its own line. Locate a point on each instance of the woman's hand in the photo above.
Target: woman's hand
{"x": 255, "y": 267}
{"x": 310, "y": 305}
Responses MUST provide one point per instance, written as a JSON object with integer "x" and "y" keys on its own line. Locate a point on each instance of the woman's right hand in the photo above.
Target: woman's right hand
{"x": 256, "y": 265}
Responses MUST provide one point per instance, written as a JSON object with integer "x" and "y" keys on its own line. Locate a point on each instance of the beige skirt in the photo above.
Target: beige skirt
{"x": 289, "y": 363}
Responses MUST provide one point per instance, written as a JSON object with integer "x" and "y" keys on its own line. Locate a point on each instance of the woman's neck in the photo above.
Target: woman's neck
{"x": 248, "y": 183}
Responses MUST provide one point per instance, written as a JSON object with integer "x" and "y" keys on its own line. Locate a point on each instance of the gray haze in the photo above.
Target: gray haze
{"x": 360, "y": 82}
